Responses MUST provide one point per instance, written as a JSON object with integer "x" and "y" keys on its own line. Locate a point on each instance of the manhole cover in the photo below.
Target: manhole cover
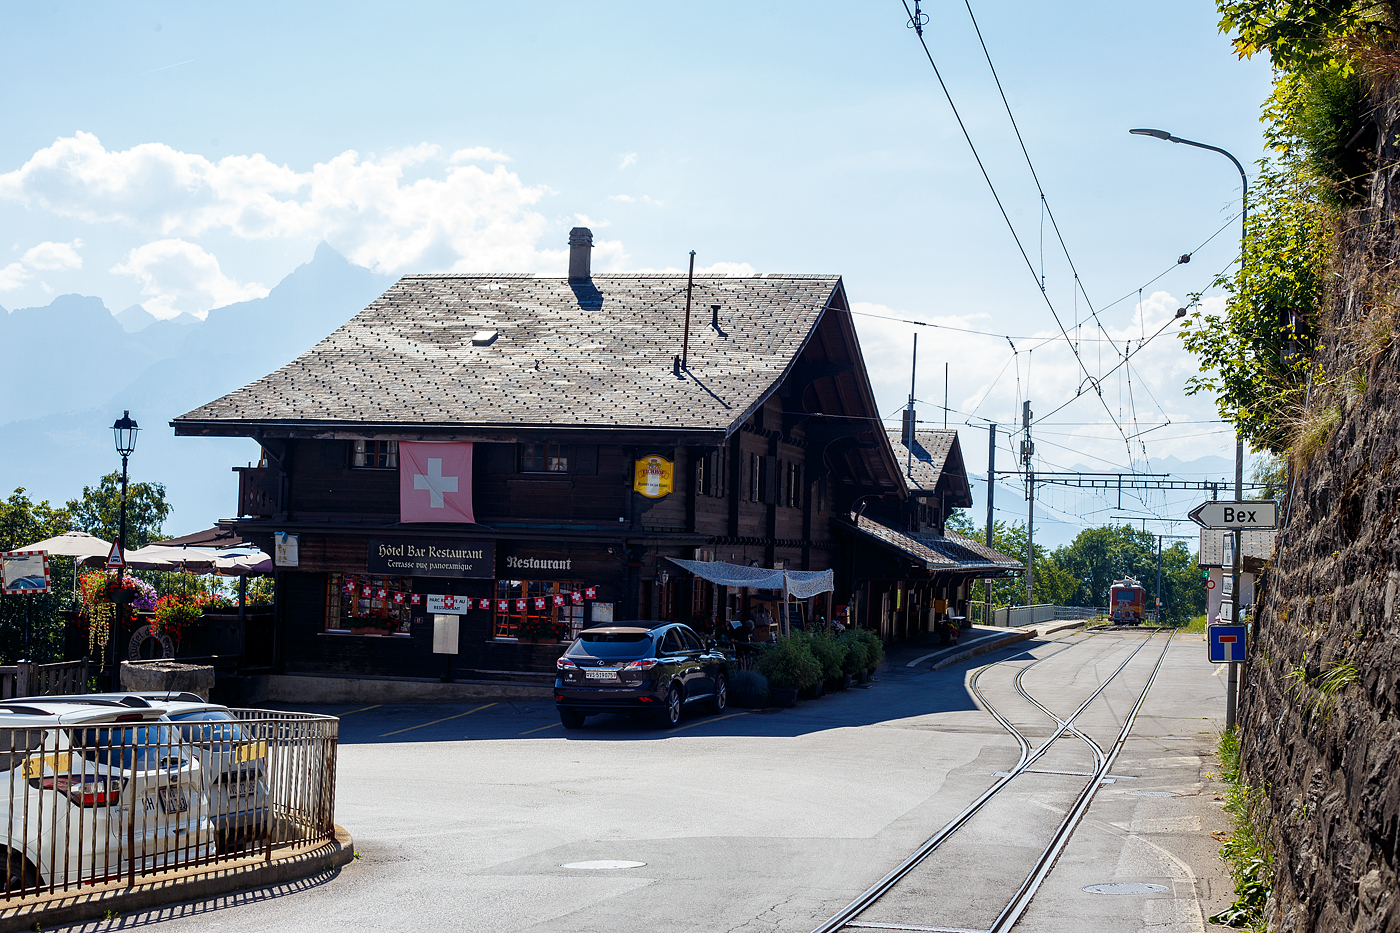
{"x": 1124, "y": 887}
{"x": 604, "y": 864}
{"x": 1153, "y": 793}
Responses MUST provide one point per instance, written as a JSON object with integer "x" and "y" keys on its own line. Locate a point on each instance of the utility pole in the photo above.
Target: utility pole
{"x": 991, "y": 495}
{"x": 1159, "y": 579}
{"x": 909, "y": 412}
{"x": 1027, "y": 451}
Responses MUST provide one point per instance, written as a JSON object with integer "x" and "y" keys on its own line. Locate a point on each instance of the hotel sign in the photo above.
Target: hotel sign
{"x": 475, "y": 559}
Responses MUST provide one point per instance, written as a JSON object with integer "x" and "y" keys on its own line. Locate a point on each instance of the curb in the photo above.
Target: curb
{"x": 981, "y": 647}
{"x": 66, "y": 907}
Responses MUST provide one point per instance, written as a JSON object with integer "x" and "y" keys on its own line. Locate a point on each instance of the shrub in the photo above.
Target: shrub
{"x": 874, "y": 648}
{"x": 854, "y": 654}
{"x": 750, "y": 683}
{"x": 789, "y": 665}
{"x": 829, "y": 655}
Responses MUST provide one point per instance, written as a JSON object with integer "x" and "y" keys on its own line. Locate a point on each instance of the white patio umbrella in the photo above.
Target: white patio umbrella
{"x": 77, "y": 544}
{"x": 159, "y": 557}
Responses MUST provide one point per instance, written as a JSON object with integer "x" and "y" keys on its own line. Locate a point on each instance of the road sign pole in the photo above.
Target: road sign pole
{"x": 1231, "y": 689}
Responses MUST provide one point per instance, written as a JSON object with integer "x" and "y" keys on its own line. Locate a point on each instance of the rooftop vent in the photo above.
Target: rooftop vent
{"x": 580, "y": 254}
{"x": 484, "y": 338}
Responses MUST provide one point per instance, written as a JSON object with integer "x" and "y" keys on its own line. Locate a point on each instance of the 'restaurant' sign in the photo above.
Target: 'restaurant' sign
{"x": 475, "y": 559}
{"x": 653, "y": 477}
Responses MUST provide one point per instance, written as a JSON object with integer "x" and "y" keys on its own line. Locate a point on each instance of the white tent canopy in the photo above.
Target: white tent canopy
{"x": 803, "y": 584}
{"x": 73, "y": 544}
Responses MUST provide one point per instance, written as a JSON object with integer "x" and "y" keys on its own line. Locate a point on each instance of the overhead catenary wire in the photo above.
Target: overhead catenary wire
{"x": 1020, "y": 247}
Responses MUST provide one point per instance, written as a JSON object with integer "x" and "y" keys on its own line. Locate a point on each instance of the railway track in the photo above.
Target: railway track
{"x": 849, "y": 918}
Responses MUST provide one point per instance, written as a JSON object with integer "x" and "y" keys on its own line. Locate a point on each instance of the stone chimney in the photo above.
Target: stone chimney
{"x": 580, "y": 254}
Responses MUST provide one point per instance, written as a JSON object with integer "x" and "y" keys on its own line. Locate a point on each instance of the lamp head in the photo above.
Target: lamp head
{"x": 124, "y": 431}
{"x": 1157, "y": 134}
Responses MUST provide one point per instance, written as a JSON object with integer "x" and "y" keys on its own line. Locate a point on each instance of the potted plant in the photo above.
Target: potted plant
{"x": 789, "y": 667}
{"x": 829, "y": 656}
{"x": 874, "y": 650}
{"x": 541, "y": 631}
{"x": 748, "y": 690}
{"x": 369, "y": 625}
{"x": 854, "y": 656}
{"x": 175, "y": 615}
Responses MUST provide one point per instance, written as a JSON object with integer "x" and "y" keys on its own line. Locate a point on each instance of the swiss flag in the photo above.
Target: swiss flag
{"x": 578, "y": 597}
{"x": 366, "y": 590}
{"x": 559, "y": 600}
{"x": 520, "y": 605}
{"x": 381, "y": 593}
{"x": 398, "y": 598}
{"x": 590, "y": 592}
{"x": 503, "y": 605}
{"x": 539, "y": 602}
{"x": 449, "y": 602}
{"x": 435, "y": 482}
{"x": 485, "y": 604}
{"x": 416, "y": 599}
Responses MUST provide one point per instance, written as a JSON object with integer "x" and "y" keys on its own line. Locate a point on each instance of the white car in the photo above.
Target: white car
{"x": 97, "y": 788}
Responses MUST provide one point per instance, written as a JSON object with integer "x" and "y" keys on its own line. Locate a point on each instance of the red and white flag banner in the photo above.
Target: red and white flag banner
{"x": 435, "y": 482}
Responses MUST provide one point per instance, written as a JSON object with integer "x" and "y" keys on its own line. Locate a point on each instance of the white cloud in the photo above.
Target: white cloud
{"x": 457, "y": 218}
{"x": 628, "y": 160}
{"x": 13, "y": 276}
{"x": 628, "y": 199}
{"x": 49, "y": 256}
{"x": 177, "y": 276}
{"x": 478, "y": 154}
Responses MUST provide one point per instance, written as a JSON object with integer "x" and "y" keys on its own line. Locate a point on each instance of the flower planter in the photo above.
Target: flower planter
{"x": 780, "y": 696}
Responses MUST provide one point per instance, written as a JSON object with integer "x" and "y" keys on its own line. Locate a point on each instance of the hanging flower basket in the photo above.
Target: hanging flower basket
{"x": 174, "y": 615}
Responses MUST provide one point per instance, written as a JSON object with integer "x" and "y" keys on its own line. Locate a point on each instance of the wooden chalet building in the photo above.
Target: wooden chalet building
{"x": 515, "y": 450}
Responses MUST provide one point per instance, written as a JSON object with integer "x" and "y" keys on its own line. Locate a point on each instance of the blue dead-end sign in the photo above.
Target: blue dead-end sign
{"x": 1226, "y": 643}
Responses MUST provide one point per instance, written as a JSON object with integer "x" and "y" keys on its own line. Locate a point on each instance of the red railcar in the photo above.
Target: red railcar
{"x": 1127, "y": 602}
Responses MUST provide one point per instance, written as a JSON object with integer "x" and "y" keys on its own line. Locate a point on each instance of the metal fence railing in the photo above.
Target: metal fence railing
{"x": 27, "y": 679}
{"x": 127, "y": 796}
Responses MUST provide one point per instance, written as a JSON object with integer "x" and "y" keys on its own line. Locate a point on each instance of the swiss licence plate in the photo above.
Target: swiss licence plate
{"x": 174, "y": 800}
{"x": 601, "y": 675}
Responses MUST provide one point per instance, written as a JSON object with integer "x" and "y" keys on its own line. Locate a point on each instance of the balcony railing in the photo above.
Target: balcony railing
{"x": 257, "y": 491}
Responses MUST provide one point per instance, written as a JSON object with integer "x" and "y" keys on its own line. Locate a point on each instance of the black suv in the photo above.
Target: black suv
{"x": 627, "y": 667}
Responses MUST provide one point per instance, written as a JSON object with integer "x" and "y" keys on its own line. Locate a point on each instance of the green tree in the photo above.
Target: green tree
{"x": 1305, "y": 35}
{"x": 23, "y": 522}
{"x": 98, "y": 512}
{"x": 1099, "y": 556}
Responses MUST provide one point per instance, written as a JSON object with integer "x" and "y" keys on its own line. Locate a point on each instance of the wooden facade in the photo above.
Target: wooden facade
{"x": 770, "y": 427}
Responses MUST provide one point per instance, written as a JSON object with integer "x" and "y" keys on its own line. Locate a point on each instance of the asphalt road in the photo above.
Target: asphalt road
{"x": 467, "y": 815}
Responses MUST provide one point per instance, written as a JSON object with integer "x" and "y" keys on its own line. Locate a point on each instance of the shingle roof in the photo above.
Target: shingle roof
{"x": 598, "y": 354}
{"x": 930, "y": 450}
{"x": 939, "y": 552}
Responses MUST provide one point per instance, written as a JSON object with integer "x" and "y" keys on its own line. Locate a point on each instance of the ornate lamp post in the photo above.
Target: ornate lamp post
{"x": 124, "y": 432}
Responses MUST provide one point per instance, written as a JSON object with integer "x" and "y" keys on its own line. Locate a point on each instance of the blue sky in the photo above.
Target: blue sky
{"x": 185, "y": 156}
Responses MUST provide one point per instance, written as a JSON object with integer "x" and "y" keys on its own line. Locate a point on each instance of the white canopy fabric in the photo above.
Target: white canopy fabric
{"x": 72, "y": 544}
{"x": 240, "y": 564}
{"x": 800, "y": 583}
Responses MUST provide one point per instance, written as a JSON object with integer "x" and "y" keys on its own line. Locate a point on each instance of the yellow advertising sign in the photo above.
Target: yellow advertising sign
{"x": 250, "y": 752}
{"x": 653, "y": 477}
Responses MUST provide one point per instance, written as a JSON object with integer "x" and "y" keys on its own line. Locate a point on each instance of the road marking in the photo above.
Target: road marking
{"x": 702, "y": 722}
{"x": 1218, "y": 670}
{"x": 552, "y": 725}
{"x": 436, "y": 721}
{"x": 363, "y": 709}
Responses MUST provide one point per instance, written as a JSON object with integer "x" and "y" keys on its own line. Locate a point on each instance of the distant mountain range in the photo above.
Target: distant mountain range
{"x": 73, "y": 367}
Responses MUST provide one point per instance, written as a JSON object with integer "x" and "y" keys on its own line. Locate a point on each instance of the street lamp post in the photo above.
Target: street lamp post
{"x": 1237, "y": 594}
{"x": 124, "y": 432}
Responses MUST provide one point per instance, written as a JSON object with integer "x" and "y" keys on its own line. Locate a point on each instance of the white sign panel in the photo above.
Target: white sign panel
{"x": 449, "y": 605}
{"x": 602, "y": 612}
{"x": 1228, "y": 585}
{"x": 286, "y": 549}
{"x": 444, "y": 633}
{"x": 1227, "y": 611}
{"x": 1250, "y": 514}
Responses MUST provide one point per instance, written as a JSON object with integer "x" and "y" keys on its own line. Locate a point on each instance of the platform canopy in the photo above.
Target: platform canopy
{"x": 800, "y": 583}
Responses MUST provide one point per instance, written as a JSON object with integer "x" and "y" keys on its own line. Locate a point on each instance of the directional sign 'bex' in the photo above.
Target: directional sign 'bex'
{"x": 1245, "y": 515}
